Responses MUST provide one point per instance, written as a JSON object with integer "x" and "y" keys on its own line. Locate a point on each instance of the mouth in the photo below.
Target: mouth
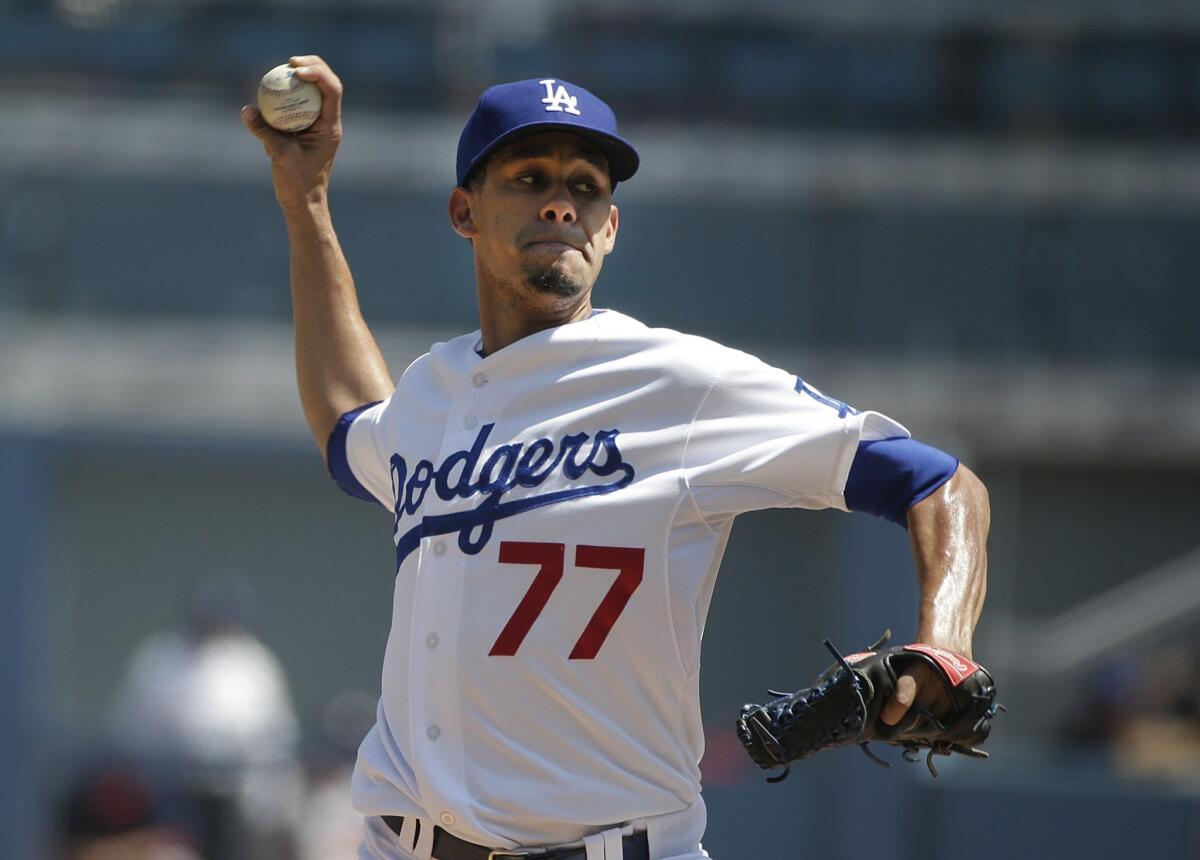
{"x": 557, "y": 246}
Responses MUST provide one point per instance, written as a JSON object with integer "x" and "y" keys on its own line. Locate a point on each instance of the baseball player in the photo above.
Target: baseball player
{"x": 562, "y": 483}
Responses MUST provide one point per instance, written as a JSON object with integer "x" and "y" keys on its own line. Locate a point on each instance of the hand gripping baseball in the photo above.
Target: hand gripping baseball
{"x": 844, "y": 705}
{"x": 301, "y": 162}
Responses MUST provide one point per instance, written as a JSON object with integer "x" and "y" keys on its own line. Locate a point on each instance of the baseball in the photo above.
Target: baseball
{"x": 287, "y": 102}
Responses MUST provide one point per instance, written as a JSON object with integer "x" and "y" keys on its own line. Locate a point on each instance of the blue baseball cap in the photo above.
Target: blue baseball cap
{"x": 506, "y": 111}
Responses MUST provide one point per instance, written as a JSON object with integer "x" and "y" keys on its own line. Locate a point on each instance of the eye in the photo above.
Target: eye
{"x": 528, "y": 179}
{"x": 585, "y": 187}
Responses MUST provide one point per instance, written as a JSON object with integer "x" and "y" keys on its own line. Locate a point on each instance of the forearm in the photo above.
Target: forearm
{"x": 338, "y": 364}
{"x": 949, "y": 531}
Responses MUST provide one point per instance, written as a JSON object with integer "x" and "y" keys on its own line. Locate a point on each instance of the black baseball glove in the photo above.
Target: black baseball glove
{"x": 844, "y": 705}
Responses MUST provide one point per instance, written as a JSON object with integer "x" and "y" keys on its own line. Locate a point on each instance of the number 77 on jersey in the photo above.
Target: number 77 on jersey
{"x": 550, "y": 557}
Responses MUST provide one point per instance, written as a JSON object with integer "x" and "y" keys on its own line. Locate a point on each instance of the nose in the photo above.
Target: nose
{"x": 559, "y": 209}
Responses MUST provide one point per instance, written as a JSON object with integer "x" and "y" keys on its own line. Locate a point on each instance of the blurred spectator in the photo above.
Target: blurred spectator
{"x": 1145, "y": 713}
{"x": 331, "y": 828}
{"x": 111, "y": 814}
{"x": 1107, "y": 704}
{"x": 1162, "y": 738}
{"x": 208, "y": 709}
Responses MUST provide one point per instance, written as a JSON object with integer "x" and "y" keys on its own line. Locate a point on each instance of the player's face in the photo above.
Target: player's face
{"x": 543, "y": 219}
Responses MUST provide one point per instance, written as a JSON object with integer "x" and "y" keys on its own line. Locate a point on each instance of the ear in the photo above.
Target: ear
{"x": 614, "y": 221}
{"x": 462, "y": 219}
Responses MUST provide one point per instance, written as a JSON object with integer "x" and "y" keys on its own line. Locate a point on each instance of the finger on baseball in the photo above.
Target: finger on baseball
{"x": 254, "y": 121}
{"x": 901, "y": 701}
{"x": 331, "y": 97}
{"x": 267, "y": 136}
{"x": 312, "y": 68}
{"x": 331, "y": 91}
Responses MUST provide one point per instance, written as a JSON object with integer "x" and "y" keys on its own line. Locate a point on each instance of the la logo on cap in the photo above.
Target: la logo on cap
{"x": 560, "y": 99}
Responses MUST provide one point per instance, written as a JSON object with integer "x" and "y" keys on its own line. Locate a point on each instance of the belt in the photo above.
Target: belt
{"x": 447, "y": 846}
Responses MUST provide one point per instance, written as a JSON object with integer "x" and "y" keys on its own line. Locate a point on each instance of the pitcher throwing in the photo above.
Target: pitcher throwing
{"x": 562, "y": 483}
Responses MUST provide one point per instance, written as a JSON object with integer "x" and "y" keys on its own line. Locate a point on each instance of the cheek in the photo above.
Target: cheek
{"x": 601, "y": 241}
{"x": 507, "y": 221}
{"x": 597, "y": 228}
{"x": 498, "y": 229}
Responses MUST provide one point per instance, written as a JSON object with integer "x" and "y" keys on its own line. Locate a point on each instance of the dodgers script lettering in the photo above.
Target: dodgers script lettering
{"x": 508, "y": 467}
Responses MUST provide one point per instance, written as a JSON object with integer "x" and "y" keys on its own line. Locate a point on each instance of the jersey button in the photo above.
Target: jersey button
{"x": 439, "y": 548}
{"x": 433, "y": 733}
{"x": 431, "y": 641}
{"x": 470, "y": 422}
{"x": 447, "y": 818}
{"x": 479, "y": 380}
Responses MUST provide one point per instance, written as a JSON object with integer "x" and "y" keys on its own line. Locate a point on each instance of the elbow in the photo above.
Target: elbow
{"x": 322, "y": 426}
{"x": 961, "y": 502}
{"x": 974, "y": 497}
{"x": 324, "y": 430}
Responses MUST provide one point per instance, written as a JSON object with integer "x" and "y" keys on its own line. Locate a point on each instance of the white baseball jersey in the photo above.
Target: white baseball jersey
{"x": 561, "y": 508}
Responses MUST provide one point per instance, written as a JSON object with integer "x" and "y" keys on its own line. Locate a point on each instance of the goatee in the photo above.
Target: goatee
{"x": 554, "y": 282}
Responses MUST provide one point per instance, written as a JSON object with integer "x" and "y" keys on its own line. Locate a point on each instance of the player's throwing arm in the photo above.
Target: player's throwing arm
{"x": 338, "y": 364}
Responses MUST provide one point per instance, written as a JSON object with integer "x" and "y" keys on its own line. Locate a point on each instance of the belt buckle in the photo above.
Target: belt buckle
{"x": 501, "y": 852}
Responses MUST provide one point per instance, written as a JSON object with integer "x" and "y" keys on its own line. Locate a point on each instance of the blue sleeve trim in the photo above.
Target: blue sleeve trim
{"x": 889, "y": 476}
{"x": 339, "y": 462}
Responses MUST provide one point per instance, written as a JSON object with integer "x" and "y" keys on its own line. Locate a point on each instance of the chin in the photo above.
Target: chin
{"x": 555, "y": 281}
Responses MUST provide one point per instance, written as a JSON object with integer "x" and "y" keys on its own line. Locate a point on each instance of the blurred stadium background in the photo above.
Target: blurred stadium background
{"x": 981, "y": 218}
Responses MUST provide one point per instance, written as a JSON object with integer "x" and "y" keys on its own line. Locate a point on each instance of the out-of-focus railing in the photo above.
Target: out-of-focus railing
{"x": 1146, "y": 608}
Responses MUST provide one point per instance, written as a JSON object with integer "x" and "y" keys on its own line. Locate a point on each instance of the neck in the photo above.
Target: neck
{"x": 508, "y": 312}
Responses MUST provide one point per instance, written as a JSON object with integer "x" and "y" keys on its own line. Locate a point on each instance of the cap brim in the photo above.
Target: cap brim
{"x": 622, "y": 158}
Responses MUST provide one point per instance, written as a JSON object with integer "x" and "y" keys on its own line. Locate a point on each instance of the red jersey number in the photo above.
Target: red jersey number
{"x": 550, "y": 557}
